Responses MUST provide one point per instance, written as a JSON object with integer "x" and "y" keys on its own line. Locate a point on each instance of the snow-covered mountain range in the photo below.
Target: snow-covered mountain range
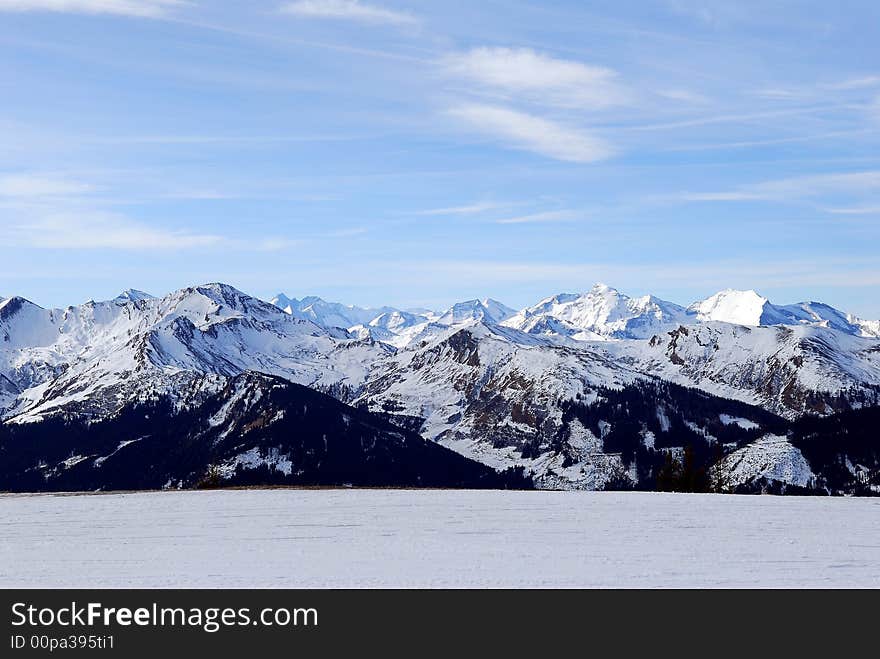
{"x": 530, "y": 389}
{"x": 602, "y": 313}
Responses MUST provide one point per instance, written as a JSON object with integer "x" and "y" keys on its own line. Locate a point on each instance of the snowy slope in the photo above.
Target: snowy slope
{"x": 788, "y": 370}
{"x": 602, "y": 312}
{"x": 489, "y": 392}
{"x": 132, "y": 295}
{"x": 730, "y": 306}
{"x": 771, "y": 458}
{"x": 506, "y": 398}
{"x": 869, "y": 328}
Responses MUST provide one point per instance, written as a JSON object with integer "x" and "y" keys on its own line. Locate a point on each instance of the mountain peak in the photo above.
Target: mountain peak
{"x": 216, "y": 301}
{"x": 601, "y": 312}
{"x": 329, "y": 314}
{"x": 225, "y": 292}
{"x": 753, "y": 309}
{"x": 11, "y": 305}
{"x": 738, "y": 294}
{"x": 486, "y": 310}
{"x": 732, "y": 306}
{"x": 132, "y": 295}
{"x": 286, "y": 304}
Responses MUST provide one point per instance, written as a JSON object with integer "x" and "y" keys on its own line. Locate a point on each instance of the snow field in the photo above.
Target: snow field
{"x": 396, "y": 538}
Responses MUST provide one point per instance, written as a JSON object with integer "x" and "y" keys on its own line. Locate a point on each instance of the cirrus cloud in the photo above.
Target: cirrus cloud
{"x": 348, "y": 10}
{"x": 22, "y": 186}
{"x": 545, "y": 216}
{"x": 136, "y": 8}
{"x": 100, "y": 230}
{"x": 800, "y": 187}
{"x": 538, "y": 77}
{"x": 536, "y": 134}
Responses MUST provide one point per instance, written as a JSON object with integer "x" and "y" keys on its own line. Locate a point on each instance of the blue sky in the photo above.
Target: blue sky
{"x": 419, "y": 153}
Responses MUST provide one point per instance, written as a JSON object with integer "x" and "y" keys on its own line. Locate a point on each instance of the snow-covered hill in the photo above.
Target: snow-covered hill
{"x": 771, "y": 458}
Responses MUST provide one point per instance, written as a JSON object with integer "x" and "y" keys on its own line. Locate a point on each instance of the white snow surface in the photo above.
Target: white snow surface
{"x": 411, "y": 539}
{"x": 869, "y": 328}
{"x": 771, "y": 457}
{"x": 255, "y": 458}
{"x": 730, "y": 306}
{"x": 728, "y": 420}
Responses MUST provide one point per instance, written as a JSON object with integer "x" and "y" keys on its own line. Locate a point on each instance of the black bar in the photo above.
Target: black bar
{"x": 460, "y": 622}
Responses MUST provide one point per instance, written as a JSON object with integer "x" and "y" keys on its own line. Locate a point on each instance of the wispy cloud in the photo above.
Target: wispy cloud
{"x": 99, "y": 230}
{"x": 530, "y": 133}
{"x": 714, "y": 14}
{"x": 853, "y": 86}
{"x": 862, "y": 82}
{"x": 138, "y": 8}
{"x": 796, "y": 188}
{"x": 746, "y": 117}
{"x": 855, "y": 210}
{"x": 346, "y": 233}
{"x": 348, "y": 10}
{"x": 782, "y": 93}
{"x": 27, "y": 186}
{"x": 470, "y": 209}
{"x": 533, "y": 218}
{"x": 538, "y": 77}
{"x": 683, "y": 96}
{"x": 772, "y": 141}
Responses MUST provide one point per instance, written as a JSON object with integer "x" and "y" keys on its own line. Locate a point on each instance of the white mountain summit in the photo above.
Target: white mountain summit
{"x": 600, "y": 313}
{"x": 487, "y": 310}
{"x": 751, "y": 309}
{"x": 328, "y": 314}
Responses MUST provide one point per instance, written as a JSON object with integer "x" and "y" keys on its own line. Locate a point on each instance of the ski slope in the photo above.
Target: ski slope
{"x": 398, "y": 538}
